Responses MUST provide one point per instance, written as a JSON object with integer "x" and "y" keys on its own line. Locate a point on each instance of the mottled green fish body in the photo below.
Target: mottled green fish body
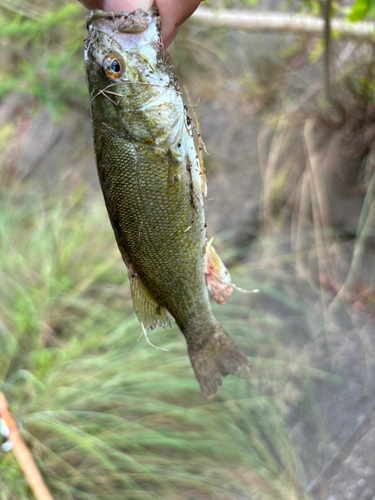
{"x": 153, "y": 185}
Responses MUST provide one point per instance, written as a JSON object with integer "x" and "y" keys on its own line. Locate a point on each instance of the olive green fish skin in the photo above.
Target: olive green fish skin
{"x": 162, "y": 238}
{"x": 150, "y": 192}
{"x": 151, "y": 181}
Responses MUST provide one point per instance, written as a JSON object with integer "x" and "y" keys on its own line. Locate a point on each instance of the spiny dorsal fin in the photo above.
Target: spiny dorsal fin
{"x": 200, "y": 158}
{"x": 200, "y": 145}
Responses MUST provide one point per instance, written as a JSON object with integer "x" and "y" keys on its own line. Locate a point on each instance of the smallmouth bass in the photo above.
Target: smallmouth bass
{"x": 154, "y": 188}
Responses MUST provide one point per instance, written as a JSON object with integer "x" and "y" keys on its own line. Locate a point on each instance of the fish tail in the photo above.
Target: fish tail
{"x": 213, "y": 355}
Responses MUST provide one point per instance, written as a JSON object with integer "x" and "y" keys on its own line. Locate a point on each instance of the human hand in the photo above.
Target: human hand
{"x": 172, "y": 12}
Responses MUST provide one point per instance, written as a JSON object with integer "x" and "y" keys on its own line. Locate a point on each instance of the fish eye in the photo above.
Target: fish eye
{"x": 113, "y": 66}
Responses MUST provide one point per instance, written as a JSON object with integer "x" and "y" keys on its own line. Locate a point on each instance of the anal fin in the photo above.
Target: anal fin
{"x": 217, "y": 276}
{"x": 148, "y": 311}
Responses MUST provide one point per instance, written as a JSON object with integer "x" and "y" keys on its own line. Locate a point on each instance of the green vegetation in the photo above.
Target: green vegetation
{"x": 361, "y": 8}
{"x": 107, "y": 417}
{"x": 42, "y": 52}
{"x": 104, "y": 416}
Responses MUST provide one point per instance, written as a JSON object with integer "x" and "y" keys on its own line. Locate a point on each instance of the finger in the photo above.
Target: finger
{"x": 173, "y": 13}
{"x": 118, "y": 5}
{"x": 169, "y": 40}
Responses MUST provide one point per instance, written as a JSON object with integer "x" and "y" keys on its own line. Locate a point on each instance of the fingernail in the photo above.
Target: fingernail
{"x": 127, "y": 5}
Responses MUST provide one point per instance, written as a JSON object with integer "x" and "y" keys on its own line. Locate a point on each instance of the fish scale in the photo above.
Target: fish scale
{"x": 139, "y": 188}
{"x": 152, "y": 185}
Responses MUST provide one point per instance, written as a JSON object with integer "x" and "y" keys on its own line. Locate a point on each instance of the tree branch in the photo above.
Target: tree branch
{"x": 282, "y": 22}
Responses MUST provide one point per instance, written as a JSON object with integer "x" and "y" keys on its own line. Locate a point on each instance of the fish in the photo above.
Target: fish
{"x": 154, "y": 187}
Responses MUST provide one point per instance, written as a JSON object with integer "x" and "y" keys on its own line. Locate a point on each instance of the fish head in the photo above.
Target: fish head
{"x": 131, "y": 88}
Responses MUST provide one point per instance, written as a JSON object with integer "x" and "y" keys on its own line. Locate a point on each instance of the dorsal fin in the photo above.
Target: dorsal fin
{"x": 200, "y": 158}
{"x": 217, "y": 276}
{"x": 200, "y": 145}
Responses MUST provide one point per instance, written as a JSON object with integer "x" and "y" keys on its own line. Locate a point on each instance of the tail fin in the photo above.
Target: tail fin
{"x": 216, "y": 357}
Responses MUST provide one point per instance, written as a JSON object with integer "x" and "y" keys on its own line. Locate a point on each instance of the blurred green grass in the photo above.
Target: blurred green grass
{"x": 105, "y": 416}
{"x": 41, "y": 52}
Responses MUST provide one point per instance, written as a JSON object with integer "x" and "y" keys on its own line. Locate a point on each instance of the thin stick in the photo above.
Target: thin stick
{"x": 23, "y": 454}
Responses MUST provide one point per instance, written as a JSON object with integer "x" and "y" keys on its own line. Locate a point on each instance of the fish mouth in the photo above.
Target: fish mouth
{"x": 122, "y": 22}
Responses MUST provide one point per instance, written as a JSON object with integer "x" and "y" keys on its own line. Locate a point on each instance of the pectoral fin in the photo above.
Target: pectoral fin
{"x": 149, "y": 313}
{"x": 217, "y": 276}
